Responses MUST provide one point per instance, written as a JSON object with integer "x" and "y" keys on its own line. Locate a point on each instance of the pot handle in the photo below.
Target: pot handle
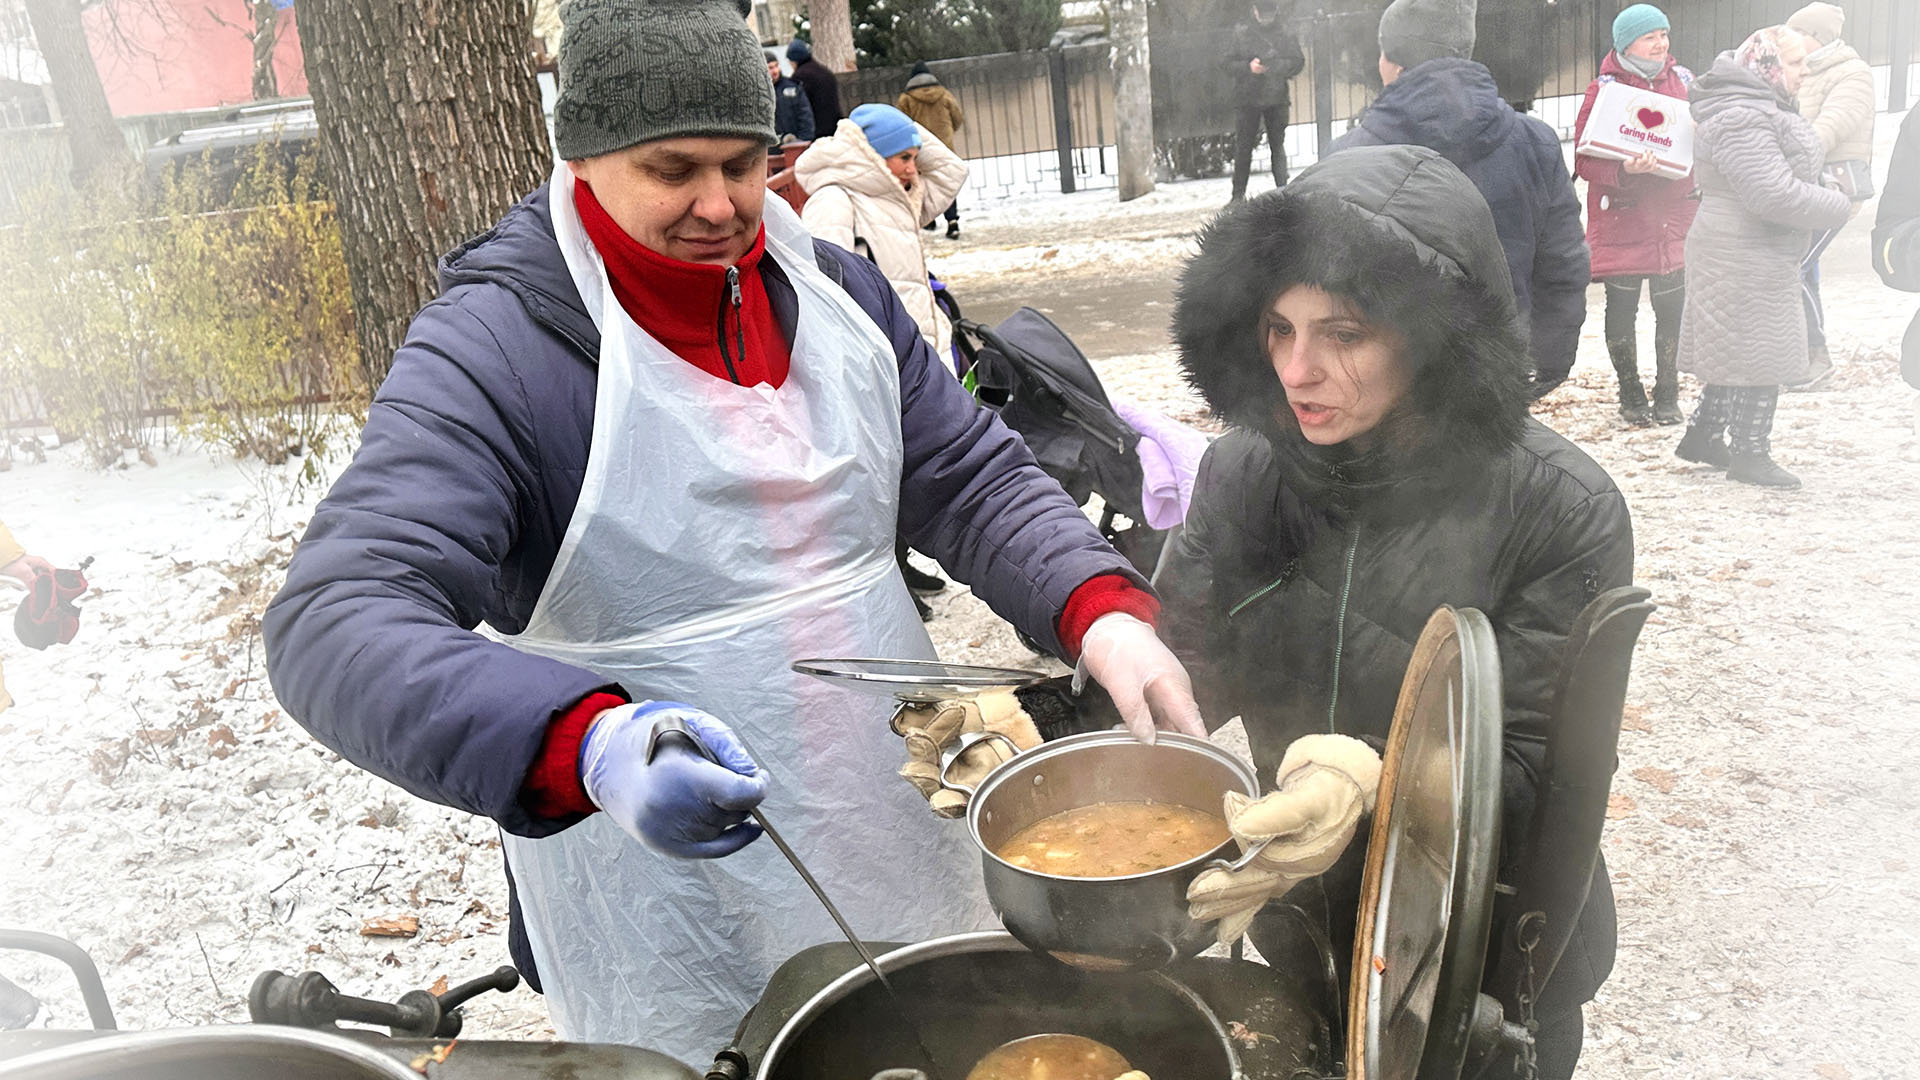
{"x": 962, "y": 745}
{"x": 1245, "y": 860}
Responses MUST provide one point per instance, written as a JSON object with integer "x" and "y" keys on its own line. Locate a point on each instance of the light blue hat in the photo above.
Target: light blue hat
{"x": 888, "y": 130}
{"x": 1631, "y": 24}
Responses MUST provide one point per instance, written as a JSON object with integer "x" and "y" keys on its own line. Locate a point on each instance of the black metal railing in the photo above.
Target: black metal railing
{"x": 1041, "y": 121}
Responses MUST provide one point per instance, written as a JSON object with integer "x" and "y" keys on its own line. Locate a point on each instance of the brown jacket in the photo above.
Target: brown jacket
{"x": 932, "y": 106}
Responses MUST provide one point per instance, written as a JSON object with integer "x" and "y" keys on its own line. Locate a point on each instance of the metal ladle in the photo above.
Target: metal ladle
{"x": 671, "y": 726}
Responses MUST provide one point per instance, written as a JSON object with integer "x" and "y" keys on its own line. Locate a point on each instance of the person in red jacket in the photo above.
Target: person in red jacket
{"x": 1637, "y": 223}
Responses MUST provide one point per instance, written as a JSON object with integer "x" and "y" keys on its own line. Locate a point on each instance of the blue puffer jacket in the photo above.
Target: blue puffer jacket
{"x": 468, "y": 471}
{"x": 1453, "y": 106}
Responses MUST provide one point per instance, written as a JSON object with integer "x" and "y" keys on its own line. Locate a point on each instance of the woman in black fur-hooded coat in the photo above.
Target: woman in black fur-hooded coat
{"x": 1358, "y": 331}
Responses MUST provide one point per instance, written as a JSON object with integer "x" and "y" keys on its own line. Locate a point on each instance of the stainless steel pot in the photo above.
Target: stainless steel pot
{"x": 1134, "y": 923}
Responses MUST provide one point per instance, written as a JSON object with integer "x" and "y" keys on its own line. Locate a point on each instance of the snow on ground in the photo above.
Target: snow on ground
{"x": 164, "y": 813}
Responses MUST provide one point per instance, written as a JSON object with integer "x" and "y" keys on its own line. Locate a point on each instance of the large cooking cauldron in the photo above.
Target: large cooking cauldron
{"x": 971, "y": 992}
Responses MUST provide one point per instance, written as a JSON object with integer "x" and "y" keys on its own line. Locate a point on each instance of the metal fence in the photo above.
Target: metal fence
{"x": 1041, "y": 121}
{"x": 1034, "y": 121}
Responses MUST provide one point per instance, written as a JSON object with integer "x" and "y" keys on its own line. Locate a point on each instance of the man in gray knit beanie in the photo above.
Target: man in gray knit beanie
{"x": 1437, "y": 96}
{"x": 1413, "y": 32}
{"x": 664, "y": 440}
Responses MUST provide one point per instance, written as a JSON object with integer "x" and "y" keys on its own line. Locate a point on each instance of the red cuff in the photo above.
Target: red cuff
{"x": 553, "y": 788}
{"x": 1099, "y": 596}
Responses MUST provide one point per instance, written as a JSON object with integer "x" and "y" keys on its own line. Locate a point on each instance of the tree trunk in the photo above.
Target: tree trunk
{"x": 99, "y": 150}
{"x": 430, "y": 127}
{"x": 266, "y": 34}
{"x": 832, "y": 28}
{"x": 1132, "y": 98}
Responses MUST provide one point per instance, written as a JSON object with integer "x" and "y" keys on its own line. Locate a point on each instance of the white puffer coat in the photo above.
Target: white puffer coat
{"x": 854, "y": 201}
{"x": 1837, "y": 98}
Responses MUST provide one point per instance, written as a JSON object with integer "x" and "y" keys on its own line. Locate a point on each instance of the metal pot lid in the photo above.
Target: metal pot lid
{"x": 916, "y": 680}
{"x": 1426, "y": 900}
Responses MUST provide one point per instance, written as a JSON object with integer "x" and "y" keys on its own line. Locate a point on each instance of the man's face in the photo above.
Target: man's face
{"x": 1389, "y": 70}
{"x": 696, "y": 199}
{"x": 773, "y": 69}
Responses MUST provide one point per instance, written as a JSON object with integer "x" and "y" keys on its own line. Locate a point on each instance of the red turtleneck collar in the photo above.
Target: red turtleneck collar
{"x": 689, "y": 307}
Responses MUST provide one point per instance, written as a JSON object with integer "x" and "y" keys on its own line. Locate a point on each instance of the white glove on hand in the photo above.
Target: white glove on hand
{"x": 1327, "y": 783}
{"x": 930, "y": 729}
{"x": 1143, "y": 677}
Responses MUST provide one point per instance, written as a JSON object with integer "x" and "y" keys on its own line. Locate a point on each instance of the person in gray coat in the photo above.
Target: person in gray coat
{"x": 1743, "y": 333}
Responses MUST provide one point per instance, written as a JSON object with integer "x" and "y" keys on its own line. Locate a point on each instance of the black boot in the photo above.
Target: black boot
{"x": 1698, "y": 446}
{"x": 1666, "y": 384}
{"x": 918, "y": 580}
{"x": 953, "y": 230}
{"x": 919, "y": 605}
{"x": 1633, "y": 396}
{"x": 1757, "y": 467}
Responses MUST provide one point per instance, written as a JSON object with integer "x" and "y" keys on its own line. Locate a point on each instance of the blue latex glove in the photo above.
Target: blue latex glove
{"x": 680, "y": 804}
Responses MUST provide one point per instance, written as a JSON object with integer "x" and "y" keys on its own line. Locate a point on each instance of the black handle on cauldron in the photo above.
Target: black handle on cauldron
{"x": 310, "y": 1000}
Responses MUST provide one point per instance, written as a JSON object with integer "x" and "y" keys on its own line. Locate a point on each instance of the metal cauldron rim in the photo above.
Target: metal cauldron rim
{"x": 1040, "y": 755}
{"x": 977, "y": 941}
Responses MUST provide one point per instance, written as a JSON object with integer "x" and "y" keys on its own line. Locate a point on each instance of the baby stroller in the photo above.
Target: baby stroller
{"x": 1033, "y": 375}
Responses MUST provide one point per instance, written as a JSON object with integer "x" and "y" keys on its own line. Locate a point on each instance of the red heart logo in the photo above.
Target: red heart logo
{"x": 1651, "y": 119}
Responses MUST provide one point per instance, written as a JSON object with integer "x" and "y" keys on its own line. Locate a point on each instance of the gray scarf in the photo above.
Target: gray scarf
{"x": 1646, "y": 69}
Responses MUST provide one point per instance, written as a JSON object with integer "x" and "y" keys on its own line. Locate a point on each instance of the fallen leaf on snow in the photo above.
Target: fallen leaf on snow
{"x": 1685, "y": 821}
{"x": 1661, "y": 780}
{"x": 435, "y": 1056}
{"x": 1049, "y": 254}
{"x": 222, "y": 736}
{"x": 1634, "y": 718}
{"x": 1832, "y": 1071}
{"x": 439, "y": 986}
{"x": 1619, "y": 806}
{"x": 315, "y": 948}
{"x": 399, "y": 926}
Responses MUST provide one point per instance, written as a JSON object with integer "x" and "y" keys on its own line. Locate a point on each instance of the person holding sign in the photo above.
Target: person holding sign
{"x": 1637, "y": 222}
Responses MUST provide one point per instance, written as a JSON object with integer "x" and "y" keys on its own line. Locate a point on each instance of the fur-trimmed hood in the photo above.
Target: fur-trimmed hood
{"x": 1402, "y": 233}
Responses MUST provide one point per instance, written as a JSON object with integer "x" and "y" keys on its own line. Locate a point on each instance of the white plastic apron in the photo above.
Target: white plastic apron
{"x": 722, "y": 533}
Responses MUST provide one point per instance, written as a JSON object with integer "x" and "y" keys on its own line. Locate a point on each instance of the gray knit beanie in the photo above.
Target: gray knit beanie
{"x": 1413, "y": 32}
{"x": 633, "y": 71}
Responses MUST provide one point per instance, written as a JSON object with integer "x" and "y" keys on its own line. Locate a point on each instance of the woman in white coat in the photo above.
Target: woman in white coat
{"x": 870, "y": 187}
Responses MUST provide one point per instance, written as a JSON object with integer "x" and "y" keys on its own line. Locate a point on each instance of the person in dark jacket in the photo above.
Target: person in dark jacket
{"x": 933, "y": 106}
{"x": 1262, "y": 58}
{"x": 660, "y": 442}
{"x": 823, "y": 90}
{"x": 1437, "y": 98}
{"x": 1357, "y": 331}
{"x": 792, "y": 113}
{"x": 1637, "y": 223}
{"x": 1896, "y": 234}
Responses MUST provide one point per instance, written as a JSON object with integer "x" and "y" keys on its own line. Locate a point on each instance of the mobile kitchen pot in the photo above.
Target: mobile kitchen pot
{"x": 1133, "y": 923}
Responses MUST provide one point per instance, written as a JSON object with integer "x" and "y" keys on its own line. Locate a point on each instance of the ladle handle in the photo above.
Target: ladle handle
{"x": 966, "y": 742}
{"x": 1245, "y": 860}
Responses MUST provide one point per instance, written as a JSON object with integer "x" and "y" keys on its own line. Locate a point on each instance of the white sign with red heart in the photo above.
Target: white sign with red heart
{"x": 1627, "y": 121}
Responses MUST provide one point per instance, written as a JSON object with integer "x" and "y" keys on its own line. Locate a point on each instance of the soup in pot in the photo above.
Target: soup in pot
{"x": 1054, "y": 1057}
{"x": 1114, "y": 839}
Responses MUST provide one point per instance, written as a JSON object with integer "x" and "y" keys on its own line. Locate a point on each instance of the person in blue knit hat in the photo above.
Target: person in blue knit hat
{"x": 1637, "y": 224}
{"x": 870, "y": 188}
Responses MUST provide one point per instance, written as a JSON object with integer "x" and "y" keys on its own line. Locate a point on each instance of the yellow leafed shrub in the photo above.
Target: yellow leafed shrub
{"x": 221, "y": 300}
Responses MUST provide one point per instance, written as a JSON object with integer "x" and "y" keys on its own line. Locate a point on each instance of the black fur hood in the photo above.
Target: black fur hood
{"x": 1402, "y": 233}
